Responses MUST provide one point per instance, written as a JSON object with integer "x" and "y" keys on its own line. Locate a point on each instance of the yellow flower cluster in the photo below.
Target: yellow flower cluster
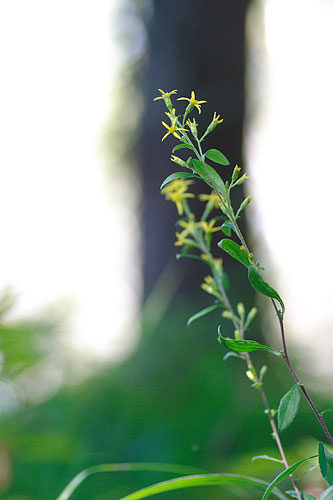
{"x": 211, "y": 198}
{"x": 176, "y": 191}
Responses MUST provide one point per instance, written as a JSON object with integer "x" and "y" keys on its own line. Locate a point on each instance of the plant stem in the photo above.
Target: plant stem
{"x": 296, "y": 377}
{"x": 238, "y": 324}
{"x": 277, "y": 437}
{"x": 268, "y": 411}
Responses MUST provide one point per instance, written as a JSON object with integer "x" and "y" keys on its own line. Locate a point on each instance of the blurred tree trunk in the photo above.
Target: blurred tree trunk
{"x": 193, "y": 45}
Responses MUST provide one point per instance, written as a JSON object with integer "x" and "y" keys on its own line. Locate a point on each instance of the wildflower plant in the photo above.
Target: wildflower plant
{"x": 194, "y": 239}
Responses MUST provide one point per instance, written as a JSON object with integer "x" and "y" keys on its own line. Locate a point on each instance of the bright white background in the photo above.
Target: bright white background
{"x": 69, "y": 241}
{"x": 288, "y": 150}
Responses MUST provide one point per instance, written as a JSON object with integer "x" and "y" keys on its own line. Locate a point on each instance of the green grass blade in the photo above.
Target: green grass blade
{"x": 201, "y": 480}
{"x": 123, "y": 467}
{"x": 283, "y": 475}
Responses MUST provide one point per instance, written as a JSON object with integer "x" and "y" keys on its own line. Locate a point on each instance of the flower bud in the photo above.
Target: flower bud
{"x": 241, "y": 180}
{"x": 250, "y": 376}
{"x": 241, "y": 310}
{"x": 262, "y": 373}
{"x": 237, "y": 335}
{"x": 193, "y": 127}
{"x": 244, "y": 204}
{"x": 177, "y": 160}
{"x": 252, "y": 314}
{"x": 235, "y": 174}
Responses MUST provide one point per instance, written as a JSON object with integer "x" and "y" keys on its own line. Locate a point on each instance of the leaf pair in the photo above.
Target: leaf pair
{"x": 241, "y": 254}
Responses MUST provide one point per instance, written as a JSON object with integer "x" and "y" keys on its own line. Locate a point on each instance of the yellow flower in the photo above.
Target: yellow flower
{"x": 165, "y": 95}
{"x": 210, "y": 198}
{"x": 209, "y": 285}
{"x": 172, "y": 114}
{"x": 178, "y": 160}
{"x": 213, "y": 124}
{"x": 189, "y": 226}
{"x": 177, "y": 197}
{"x": 192, "y": 101}
{"x": 178, "y": 185}
{"x": 205, "y": 256}
{"x": 173, "y": 129}
{"x": 218, "y": 265}
{"x": 209, "y": 227}
{"x": 181, "y": 240}
{"x": 193, "y": 127}
{"x": 216, "y": 118}
{"x": 209, "y": 279}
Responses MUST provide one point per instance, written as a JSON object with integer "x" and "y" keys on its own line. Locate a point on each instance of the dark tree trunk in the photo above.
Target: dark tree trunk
{"x": 193, "y": 45}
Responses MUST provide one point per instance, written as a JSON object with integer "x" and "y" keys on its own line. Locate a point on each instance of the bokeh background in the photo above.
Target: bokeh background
{"x": 97, "y": 364}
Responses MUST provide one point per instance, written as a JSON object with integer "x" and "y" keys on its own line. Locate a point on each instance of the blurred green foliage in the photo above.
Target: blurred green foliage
{"x": 174, "y": 400}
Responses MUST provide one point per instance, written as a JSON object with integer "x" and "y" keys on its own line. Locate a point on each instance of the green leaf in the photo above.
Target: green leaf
{"x": 201, "y": 313}
{"x": 237, "y": 252}
{"x": 246, "y": 346}
{"x": 121, "y": 467}
{"x": 328, "y": 410}
{"x": 201, "y": 480}
{"x": 327, "y": 494}
{"x": 182, "y": 146}
{"x": 266, "y": 457}
{"x": 260, "y": 284}
{"x": 283, "y": 475}
{"x": 227, "y": 226}
{"x": 326, "y": 463}
{"x": 304, "y": 496}
{"x": 188, "y": 256}
{"x": 231, "y": 354}
{"x": 216, "y": 156}
{"x": 288, "y": 408}
{"x": 177, "y": 175}
{"x": 210, "y": 176}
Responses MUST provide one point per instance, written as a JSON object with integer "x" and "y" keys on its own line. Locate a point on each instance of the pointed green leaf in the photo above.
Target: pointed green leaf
{"x": 304, "y": 496}
{"x": 188, "y": 256}
{"x": 237, "y": 252}
{"x": 283, "y": 475}
{"x": 122, "y": 467}
{"x": 210, "y": 176}
{"x": 216, "y": 156}
{"x": 288, "y": 408}
{"x": 178, "y": 175}
{"x": 231, "y": 354}
{"x": 246, "y": 346}
{"x": 201, "y": 480}
{"x": 182, "y": 146}
{"x": 266, "y": 457}
{"x": 328, "y": 410}
{"x": 326, "y": 463}
{"x": 227, "y": 226}
{"x": 327, "y": 494}
{"x": 260, "y": 284}
{"x": 201, "y": 313}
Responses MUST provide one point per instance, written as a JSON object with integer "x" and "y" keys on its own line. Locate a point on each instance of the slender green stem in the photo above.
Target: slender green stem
{"x": 277, "y": 437}
{"x": 297, "y": 379}
{"x": 238, "y": 324}
{"x": 286, "y": 357}
{"x": 259, "y": 386}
